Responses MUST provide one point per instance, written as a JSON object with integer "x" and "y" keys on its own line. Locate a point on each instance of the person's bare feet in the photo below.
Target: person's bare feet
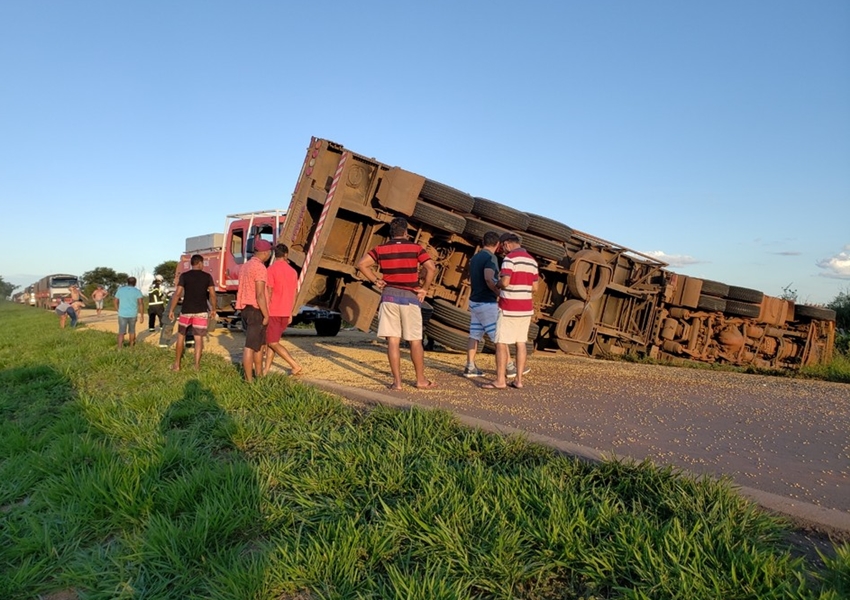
{"x": 175, "y": 367}
{"x": 297, "y": 371}
{"x": 427, "y": 385}
{"x": 394, "y": 387}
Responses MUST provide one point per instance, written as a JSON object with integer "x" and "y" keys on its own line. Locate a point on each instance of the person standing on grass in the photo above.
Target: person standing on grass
{"x": 518, "y": 280}
{"x": 65, "y": 310}
{"x": 98, "y": 296}
{"x": 280, "y": 294}
{"x": 197, "y": 290}
{"x": 400, "y": 313}
{"x": 130, "y": 306}
{"x": 251, "y": 301}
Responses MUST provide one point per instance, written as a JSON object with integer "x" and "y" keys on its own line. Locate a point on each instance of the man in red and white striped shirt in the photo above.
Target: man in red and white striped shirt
{"x": 400, "y": 313}
{"x": 517, "y": 283}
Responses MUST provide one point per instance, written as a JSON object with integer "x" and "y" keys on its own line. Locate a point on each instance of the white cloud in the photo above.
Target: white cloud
{"x": 838, "y": 266}
{"x": 674, "y": 260}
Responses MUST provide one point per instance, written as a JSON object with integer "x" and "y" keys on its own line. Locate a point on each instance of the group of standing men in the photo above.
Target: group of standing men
{"x": 500, "y": 305}
{"x": 501, "y": 302}
{"x": 265, "y": 298}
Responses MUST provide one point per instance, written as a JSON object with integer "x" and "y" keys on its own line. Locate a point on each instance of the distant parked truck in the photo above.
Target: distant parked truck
{"x": 225, "y": 253}
{"x": 596, "y": 298}
{"x": 50, "y": 290}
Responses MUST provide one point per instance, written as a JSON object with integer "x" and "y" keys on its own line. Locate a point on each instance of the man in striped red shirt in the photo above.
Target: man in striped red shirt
{"x": 517, "y": 283}
{"x": 400, "y": 313}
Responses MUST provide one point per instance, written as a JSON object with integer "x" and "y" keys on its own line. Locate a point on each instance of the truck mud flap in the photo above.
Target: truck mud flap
{"x": 359, "y": 305}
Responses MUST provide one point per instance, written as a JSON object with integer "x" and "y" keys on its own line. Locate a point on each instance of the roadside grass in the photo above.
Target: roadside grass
{"x": 121, "y": 479}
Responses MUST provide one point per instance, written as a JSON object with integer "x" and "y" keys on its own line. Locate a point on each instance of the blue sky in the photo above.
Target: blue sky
{"x": 714, "y": 134}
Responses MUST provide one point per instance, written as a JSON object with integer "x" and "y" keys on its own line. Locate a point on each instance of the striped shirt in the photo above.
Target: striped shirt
{"x": 515, "y": 300}
{"x": 399, "y": 261}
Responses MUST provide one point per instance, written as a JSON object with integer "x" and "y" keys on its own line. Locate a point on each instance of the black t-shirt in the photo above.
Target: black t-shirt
{"x": 195, "y": 296}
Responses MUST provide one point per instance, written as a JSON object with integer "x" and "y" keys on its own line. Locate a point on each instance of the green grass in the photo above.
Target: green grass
{"x": 121, "y": 479}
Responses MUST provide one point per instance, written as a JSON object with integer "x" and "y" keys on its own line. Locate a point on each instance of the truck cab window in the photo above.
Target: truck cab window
{"x": 236, "y": 245}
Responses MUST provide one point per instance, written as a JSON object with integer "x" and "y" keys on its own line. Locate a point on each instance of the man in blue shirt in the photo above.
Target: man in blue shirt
{"x": 128, "y": 303}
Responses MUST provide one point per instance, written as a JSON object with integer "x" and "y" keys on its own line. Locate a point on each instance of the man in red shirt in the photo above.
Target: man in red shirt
{"x": 280, "y": 291}
{"x": 400, "y": 313}
{"x": 517, "y": 284}
{"x": 251, "y": 301}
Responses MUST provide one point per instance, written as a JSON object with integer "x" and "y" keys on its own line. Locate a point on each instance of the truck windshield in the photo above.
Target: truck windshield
{"x": 64, "y": 282}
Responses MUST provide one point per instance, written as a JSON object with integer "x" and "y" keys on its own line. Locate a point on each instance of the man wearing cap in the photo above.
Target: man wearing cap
{"x": 156, "y": 303}
{"x": 400, "y": 313}
{"x": 517, "y": 283}
{"x": 251, "y": 302}
{"x": 197, "y": 290}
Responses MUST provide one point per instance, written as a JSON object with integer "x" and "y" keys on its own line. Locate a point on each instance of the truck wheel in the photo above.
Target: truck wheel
{"x": 446, "y": 196}
{"x": 714, "y": 288}
{"x": 440, "y": 218}
{"x": 711, "y": 304}
{"x": 543, "y": 248}
{"x": 476, "y": 229}
{"x": 590, "y": 275}
{"x": 446, "y": 335}
{"x": 742, "y": 309}
{"x": 450, "y": 314}
{"x": 501, "y": 214}
{"x": 744, "y": 295}
{"x": 804, "y": 311}
{"x": 328, "y": 327}
{"x": 575, "y": 321}
{"x": 549, "y": 228}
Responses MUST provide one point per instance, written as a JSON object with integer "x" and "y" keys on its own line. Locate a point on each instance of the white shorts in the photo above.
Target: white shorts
{"x": 512, "y": 330}
{"x": 400, "y": 320}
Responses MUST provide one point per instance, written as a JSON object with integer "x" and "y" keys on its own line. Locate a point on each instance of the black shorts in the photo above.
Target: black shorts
{"x": 255, "y": 331}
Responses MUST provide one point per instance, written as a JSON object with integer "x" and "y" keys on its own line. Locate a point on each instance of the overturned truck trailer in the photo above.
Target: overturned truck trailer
{"x": 596, "y": 298}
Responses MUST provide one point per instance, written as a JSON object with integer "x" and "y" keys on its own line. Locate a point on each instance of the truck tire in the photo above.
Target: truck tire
{"x": 744, "y": 295}
{"x": 804, "y": 311}
{"x": 501, "y": 214}
{"x": 548, "y": 228}
{"x": 442, "y": 219}
{"x": 575, "y": 321}
{"x": 328, "y": 327}
{"x": 584, "y": 281}
{"x": 742, "y": 309}
{"x": 714, "y": 288}
{"x": 448, "y": 313}
{"x": 446, "y": 335}
{"x": 446, "y": 196}
{"x": 711, "y": 304}
{"x": 543, "y": 248}
{"x": 476, "y": 229}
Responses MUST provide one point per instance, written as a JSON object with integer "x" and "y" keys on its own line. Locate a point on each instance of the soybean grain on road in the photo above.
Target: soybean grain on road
{"x": 784, "y": 441}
